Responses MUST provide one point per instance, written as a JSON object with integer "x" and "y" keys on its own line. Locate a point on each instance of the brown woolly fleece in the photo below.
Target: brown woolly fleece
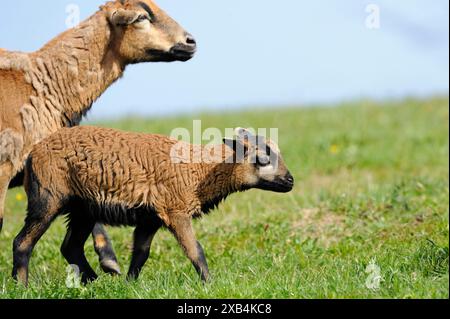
{"x": 110, "y": 167}
{"x": 140, "y": 180}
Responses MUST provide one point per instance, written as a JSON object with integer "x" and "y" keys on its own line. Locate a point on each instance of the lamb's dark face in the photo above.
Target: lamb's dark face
{"x": 261, "y": 164}
{"x": 147, "y": 34}
{"x": 271, "y": 172}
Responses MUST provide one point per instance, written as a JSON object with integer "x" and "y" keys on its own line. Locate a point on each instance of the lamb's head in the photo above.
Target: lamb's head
{"x": 259, "y": 163}
{"x": 145, "y": 33}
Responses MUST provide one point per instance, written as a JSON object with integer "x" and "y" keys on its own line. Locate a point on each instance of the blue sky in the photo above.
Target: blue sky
{"x": 260, "y": 52}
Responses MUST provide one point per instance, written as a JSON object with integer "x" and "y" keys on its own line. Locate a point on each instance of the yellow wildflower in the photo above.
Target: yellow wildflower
{"x": 20, "y": 197}
{"x": 334, "y": 149}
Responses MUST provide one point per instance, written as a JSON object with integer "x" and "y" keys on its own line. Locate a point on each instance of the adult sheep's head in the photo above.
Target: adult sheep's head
{"x": 145, "y": 33}
{"x": 260, "y": 164}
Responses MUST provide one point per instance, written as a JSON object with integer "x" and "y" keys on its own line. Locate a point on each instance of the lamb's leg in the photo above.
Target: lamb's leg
{"x": 36, "y": 224}
{"x": 73, "y": 248}
{"x": 5, "y": 178}
{"x": 181, "y": 227}
{"x": 103, "y": 248}
{"x": 143, "y": 237}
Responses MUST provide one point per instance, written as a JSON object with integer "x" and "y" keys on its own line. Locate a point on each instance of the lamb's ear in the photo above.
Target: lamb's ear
{"x": 123, "y": 17}
{"x": 230, "y": 143}
{"x": 240, "y": 149}
{"x": 246, "y": 137}
{"x": 243, "y": 132}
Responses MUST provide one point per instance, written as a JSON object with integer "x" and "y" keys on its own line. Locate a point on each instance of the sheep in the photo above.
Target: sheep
{"x": 55, "y": 87}
{"x": 147, "y": 181}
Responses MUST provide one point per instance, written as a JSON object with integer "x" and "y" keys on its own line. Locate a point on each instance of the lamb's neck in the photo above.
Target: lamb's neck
{"x": 77, "y": 67}
{"x": 218, "y": 181}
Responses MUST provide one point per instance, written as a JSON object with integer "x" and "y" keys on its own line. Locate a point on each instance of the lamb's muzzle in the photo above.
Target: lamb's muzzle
{"x": 116, "y": 178}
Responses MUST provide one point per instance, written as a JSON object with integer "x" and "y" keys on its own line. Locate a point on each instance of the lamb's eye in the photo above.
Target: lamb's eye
{"x": 263, "y": 161}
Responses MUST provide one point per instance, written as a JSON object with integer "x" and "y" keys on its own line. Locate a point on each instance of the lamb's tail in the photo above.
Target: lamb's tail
{"x": 28, "y": 173}
{"x": 32, "y": 186}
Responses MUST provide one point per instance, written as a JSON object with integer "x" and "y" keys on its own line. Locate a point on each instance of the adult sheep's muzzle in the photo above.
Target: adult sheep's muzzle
{"x": 180, "y": 52}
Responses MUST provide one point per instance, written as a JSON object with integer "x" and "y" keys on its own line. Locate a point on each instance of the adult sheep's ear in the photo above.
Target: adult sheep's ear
{"x": 123, "y": 17}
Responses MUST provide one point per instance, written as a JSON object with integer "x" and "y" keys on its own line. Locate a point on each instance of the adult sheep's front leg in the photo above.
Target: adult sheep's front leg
{"x": 181, "y": 227}
{"x": 5, "y": 178}
{"x": 103, "y": 248}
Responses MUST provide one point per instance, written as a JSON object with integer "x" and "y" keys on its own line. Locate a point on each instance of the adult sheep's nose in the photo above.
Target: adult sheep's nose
{"x": 190, "y": 41}
{"x": 184, "y": 51}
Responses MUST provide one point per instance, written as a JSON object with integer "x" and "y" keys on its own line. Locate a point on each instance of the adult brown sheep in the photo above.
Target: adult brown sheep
{"x": 54, "y": 87}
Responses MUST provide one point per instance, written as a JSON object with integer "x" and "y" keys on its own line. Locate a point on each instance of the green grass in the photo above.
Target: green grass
{"x": 372, "y": 188}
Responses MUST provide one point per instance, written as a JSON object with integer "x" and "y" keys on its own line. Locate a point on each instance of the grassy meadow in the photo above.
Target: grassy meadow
{"x": 368, "y": 218}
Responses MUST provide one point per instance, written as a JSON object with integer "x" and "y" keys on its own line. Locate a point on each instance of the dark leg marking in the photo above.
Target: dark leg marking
{"x": 182, "y": 229}
{"x": 105, "y": 251}
{"x": 42, "y": 210}
{"x": 202, "y": 263}
{"x": 73, "y": 248}
{"x": 143, "y": 237}
{"x": 23, "y": 247}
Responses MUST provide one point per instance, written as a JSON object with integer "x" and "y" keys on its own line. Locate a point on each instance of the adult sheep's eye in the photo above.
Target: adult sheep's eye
{"x": 142, "y": 18}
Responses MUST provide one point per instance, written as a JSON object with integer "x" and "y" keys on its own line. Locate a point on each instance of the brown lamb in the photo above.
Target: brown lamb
{"x": 126, "y": 179}
{"x": 54, "y": 87}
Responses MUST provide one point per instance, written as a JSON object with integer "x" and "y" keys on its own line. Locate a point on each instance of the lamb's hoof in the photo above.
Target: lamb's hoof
{"x": 110, "y": 266}
{"x": 88, "y": 279}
